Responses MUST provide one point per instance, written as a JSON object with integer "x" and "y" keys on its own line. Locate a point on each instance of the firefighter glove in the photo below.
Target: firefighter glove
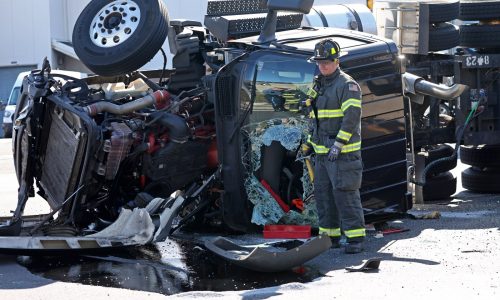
{"x": 334, "y": 152}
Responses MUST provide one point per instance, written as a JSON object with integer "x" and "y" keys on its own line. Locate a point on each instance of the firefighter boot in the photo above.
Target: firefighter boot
{"x": 354, "y": 247}
{"x": 335, "y": 242}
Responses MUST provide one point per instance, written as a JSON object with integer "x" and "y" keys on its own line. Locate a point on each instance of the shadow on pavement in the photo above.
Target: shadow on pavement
{"x": 465, "y": 211}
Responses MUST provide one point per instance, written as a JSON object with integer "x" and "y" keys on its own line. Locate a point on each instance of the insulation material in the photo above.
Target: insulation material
{"x": 289, "y": 133}
{"x": 266, "y": 210}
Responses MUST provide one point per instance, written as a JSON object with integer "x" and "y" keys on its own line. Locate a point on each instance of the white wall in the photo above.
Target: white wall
{"x": 25, "y": 32}
{"x": 28, "y": 26}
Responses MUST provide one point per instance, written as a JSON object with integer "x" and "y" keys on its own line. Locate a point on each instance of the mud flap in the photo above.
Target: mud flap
{"x": 268, "y": 259}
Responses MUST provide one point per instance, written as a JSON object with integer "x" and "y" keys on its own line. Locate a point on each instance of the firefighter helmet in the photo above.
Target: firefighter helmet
{"x": 327, "y": 49}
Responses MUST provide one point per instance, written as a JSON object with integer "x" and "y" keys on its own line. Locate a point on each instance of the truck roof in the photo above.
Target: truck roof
{"x": 304, "y": 39}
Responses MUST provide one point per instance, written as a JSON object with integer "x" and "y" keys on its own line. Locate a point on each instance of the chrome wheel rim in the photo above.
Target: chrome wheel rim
{"x": 115, "y": 23}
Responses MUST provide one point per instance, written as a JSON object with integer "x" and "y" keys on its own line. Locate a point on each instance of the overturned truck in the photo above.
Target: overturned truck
{"x": 127, "y": 157}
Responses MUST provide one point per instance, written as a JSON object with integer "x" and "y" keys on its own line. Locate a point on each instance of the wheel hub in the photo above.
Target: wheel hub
{"x": 115, "y": 23}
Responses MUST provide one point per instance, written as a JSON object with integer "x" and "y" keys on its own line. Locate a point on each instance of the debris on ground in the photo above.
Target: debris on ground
{"x": 431, "y": 215}
{"x": 367, "y": 265}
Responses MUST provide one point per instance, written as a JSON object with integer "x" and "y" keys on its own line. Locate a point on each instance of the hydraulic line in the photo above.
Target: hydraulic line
{"x": 460, "y": 135}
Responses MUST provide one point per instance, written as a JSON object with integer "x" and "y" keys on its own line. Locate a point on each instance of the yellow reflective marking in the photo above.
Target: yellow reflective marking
{"x": 333, "y": 232}
{"x": 312, "y": 93}
{"x": 353, "y": 233}
{"x": 351, "y": 147}
{"x": 350, "y": 102}
{"x": 346, "y": 136}
{"x": 329, "y": 113}
{"x": 320, "y": 149}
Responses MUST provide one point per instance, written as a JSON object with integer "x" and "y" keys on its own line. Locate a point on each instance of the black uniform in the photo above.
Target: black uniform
{"x": 336, "y": 184}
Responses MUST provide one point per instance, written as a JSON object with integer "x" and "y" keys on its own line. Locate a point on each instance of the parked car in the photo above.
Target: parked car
{"x": 15, "y": 92}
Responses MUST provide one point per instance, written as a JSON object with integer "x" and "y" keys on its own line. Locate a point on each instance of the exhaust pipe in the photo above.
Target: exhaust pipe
{"x": 159, "y": 98}
{"x": 417, "y": 85}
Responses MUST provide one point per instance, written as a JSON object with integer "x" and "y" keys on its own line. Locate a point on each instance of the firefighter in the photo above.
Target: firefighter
{"x": 336, "y": 139}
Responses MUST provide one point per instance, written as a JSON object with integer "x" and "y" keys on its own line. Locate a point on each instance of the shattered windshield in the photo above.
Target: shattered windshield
{"x": 281, "y": 84}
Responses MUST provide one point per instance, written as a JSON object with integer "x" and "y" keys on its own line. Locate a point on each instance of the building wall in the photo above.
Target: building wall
{"x": 25, "y": 33}
{"x": 29, "y": 26}
{"x": 177, "y": 9}
{"x": 25, "y": 36}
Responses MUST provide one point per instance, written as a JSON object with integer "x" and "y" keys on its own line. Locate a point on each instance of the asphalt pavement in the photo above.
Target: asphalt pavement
{"x": 452, "y": 257}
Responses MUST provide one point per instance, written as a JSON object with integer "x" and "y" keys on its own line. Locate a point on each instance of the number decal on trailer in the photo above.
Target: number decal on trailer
{"x": 477, "y": 61}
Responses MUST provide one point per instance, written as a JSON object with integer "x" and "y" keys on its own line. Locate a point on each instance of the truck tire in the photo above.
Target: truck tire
{"x": 443, "y": 36}
{"x": 482, "y": 181}
{"x": 480, "y": 36}
{"x": 443, "y": 12}
{"x": 117, "y": 37}
{"x": 472, "y": 10}
{"x": 482, "y": 156}
{"x": 440, "y": 187}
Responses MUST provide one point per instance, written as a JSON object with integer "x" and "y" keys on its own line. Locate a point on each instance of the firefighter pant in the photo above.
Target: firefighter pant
{"x": 336, "y": 190}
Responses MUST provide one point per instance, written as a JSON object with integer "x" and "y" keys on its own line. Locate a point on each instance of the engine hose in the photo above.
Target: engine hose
{"x": 460, "y": 135}
{"x": 178, "y": 129}
{"x": 437, "y": 162}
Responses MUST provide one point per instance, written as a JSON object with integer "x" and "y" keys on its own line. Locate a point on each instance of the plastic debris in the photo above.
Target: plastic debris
{"x": 431, "y": 215}
{"x": 367, "y": 265}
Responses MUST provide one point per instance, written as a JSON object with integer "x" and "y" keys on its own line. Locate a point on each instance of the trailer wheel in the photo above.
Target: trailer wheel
{"x": 117, "y": 37}
{"x": 471, "y": 10}
{"x": 443, "y": 36}
{"x": 480, "y": 36}
{"x": 482, "y": 181}
{"x": 440, "y": 187}
{"x": 481, "y": 156}
{"x": 443, "y": 12}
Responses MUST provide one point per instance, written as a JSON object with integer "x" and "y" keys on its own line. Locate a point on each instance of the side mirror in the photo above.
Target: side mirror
{"x": 267, "y": 35}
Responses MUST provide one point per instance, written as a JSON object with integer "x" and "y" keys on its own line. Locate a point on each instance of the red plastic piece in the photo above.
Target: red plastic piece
{"x": 394, "y": 230}
{"x": 298, "y": 203}
{"x": 287, "y": 231}
{"x": 276, "y": 197}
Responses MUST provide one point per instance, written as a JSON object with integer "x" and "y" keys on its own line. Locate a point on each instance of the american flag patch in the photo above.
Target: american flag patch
{"x": 353, "y": 87}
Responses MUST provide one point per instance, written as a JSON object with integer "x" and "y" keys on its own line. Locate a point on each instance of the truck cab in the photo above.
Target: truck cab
{"x": 279, "y": 77}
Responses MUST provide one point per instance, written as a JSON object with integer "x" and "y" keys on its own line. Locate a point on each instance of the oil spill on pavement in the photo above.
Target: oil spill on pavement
{"x": 169, "y": 268}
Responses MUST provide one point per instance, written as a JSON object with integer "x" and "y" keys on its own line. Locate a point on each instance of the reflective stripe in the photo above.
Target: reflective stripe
{"x": 343, "y": 135}
{"x": 333, "y": 232}
{"x": 320, "y": 149}
{"x": 354, "y": 233}
{"x": 351, "y": 147}
{"x": 328, "y": 113}
{"x": 350, "y": 102}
